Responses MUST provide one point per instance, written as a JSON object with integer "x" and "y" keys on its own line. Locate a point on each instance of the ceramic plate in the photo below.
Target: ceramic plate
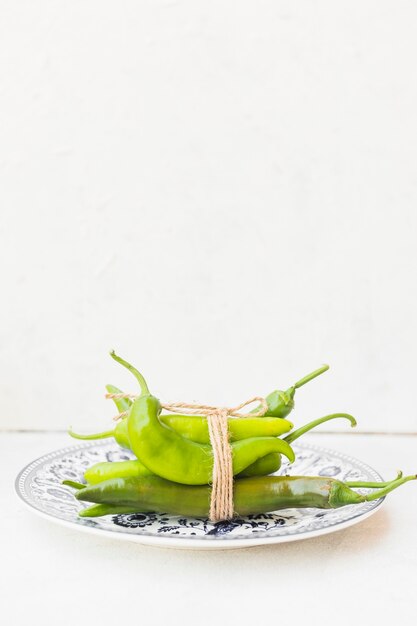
{"x": 39, "y": 486}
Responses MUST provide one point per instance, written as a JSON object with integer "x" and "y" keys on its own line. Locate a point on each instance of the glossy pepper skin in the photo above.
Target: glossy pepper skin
{"x": 251, "y": 495}
{"x": 105, "y": 470}
{"x": 170, "y": 456}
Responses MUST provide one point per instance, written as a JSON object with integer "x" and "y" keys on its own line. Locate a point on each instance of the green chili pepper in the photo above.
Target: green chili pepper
{"x": 281, "y": 403}
{"x": 98, "y": 510}
{"x": 195, "y": 427}
{"x": 268, "y": 464}
{"x": 99, "y": 472}
{"x": 105, "y": 470}
{"x": 119, "y": 432}
{"x": 123, "y": 404}
{"x": 272, "y": 462}
{"x": 251, "y": 495}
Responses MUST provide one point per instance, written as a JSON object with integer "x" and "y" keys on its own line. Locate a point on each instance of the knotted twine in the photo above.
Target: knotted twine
{"x": 221, "y": 500}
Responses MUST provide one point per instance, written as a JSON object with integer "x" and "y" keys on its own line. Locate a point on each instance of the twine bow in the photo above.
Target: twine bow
{"x": 221, "y": 502}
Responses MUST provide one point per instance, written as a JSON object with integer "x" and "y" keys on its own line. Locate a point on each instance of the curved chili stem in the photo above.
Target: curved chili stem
{"x": 103, "y": 435}
{"x": 397, "y": 482}
{"x": 142, "y": 382}
{"x": 304, "y": 429}
{"x": 373, "y": 485}
{"x": 309, "y": 377}
{"x": 123, "y": 404}
{"x": 73, "y": 484}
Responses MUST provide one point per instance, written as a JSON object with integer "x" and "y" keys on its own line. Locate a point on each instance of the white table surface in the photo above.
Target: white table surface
{"x": 54, "y": 575}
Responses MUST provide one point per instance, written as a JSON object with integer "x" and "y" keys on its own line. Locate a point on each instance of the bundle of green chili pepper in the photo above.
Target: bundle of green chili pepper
{"x": 254, "y": 457}
{"x": 173, "y": 468}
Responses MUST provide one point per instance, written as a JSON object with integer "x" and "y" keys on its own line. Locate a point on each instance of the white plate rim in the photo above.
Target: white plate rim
{"x": 215, "y": 543}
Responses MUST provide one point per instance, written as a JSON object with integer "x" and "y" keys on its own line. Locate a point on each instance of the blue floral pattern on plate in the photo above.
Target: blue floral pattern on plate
{"x": 39, "y": 486}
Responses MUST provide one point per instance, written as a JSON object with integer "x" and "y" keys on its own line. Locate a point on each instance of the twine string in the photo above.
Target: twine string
{"x": 221, "y": 500}
{"x": 197, "y": 409}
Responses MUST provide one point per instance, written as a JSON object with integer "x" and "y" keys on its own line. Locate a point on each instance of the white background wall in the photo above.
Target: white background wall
{"x": 225, "y": 192}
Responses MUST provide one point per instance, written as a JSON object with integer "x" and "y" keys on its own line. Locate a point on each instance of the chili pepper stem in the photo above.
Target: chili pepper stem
{"x": 397, "y": 482}
{"x": 370, "y": 485}
{"x": 73, "y": 484}
{"x": 142, "y": 382}
{"x": 373, "y": 485}
{"x": 306, "y": 379}
{"x": 103, "y": 435}
{"x": 304, "y": 429}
